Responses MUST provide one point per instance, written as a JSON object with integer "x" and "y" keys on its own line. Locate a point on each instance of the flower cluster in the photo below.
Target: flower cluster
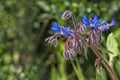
{"x": 97, "y": 27}
{"x": 76, "y": 38}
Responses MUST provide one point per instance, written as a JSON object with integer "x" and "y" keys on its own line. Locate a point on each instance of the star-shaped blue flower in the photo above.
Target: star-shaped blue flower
{"x": 62, "y": 31}
{"x": 91, "y": 22}
{"x": 104, "y": 26}
{"x": 56, "y": 28}
{"x": 67, "y": 32}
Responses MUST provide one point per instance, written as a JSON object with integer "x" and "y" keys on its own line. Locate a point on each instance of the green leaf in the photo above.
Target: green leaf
{"x": 100, "y": 74}
{"x": 112, "y": 45}
{"x": 78, "y": 70}
{"x": 53, "y": 74}
{"x": 104, "y": 50}
{"x": 43, "y": 5}
{"x": 85, "y": 51}
{"x": 117, "y": 67}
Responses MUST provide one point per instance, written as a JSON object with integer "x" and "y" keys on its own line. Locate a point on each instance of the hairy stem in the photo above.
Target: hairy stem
{"x": 97, "y": 53}
{"x": 105, "y": 62}
{"x": 109, "y": 68}
{"x": 74, "y": 21}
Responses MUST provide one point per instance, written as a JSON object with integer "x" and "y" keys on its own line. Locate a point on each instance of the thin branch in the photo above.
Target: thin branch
{"x": 97, "y": 53}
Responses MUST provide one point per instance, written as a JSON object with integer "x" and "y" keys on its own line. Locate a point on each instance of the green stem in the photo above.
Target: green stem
{"x": 109, "y": 68}
{"x": 105, "y": 62}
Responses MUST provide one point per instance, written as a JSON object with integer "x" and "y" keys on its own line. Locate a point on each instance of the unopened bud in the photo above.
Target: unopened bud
{"x": 95, "y": 37}
{"x": 81, "y": 28}
{"x": 66, "y": 15}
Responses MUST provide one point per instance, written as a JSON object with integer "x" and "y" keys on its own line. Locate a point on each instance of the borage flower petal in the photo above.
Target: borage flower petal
{"x": 67, "y": 32}
{"x": 86, "y": 21}
{"x": 62, "y": 31}
{"x": 91, "y": 23}
{"x": 112, "y": 23}
{"x": 95, "y": 20}
{"x": 106, "y": 26}
{"x": 56, "y": 28}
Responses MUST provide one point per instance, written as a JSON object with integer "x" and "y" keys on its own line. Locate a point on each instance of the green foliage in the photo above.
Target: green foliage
{"x": 78, "y": 70}
{"x": 24, "y": 25}
{"x": 100, "y": 74}
{"x": 112, "y": 45}
{"x": 85, "y": 51}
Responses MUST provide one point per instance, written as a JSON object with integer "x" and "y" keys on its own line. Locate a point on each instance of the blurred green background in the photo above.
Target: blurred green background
{"x": 24, "y": 25}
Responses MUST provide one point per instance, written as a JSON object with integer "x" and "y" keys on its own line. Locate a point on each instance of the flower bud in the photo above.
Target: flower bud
{"x": 81, "y": 28}
{"x": 73, "y": 46}
{"x": 94, "y": 37}
{"x": 52, "y": 40}
{"x": 66, "y": 15}
{"x": 79, "y": 47}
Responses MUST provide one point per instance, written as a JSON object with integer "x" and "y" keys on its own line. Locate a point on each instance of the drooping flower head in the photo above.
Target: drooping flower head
{"x": 73, "y": 44}
{"x": 66, "y": 15}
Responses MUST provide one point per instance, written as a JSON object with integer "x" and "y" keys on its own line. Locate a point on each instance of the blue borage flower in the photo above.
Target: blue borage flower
{"x": 57, "y": 29}
{"x": 62, "y": 31}
{"x": 105, "y": 26}
{"x": 97, "y": 29}
{"x": 67, "y": 32}
{"x": 92, "y": 23}
{"x": 96, "y": 24}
